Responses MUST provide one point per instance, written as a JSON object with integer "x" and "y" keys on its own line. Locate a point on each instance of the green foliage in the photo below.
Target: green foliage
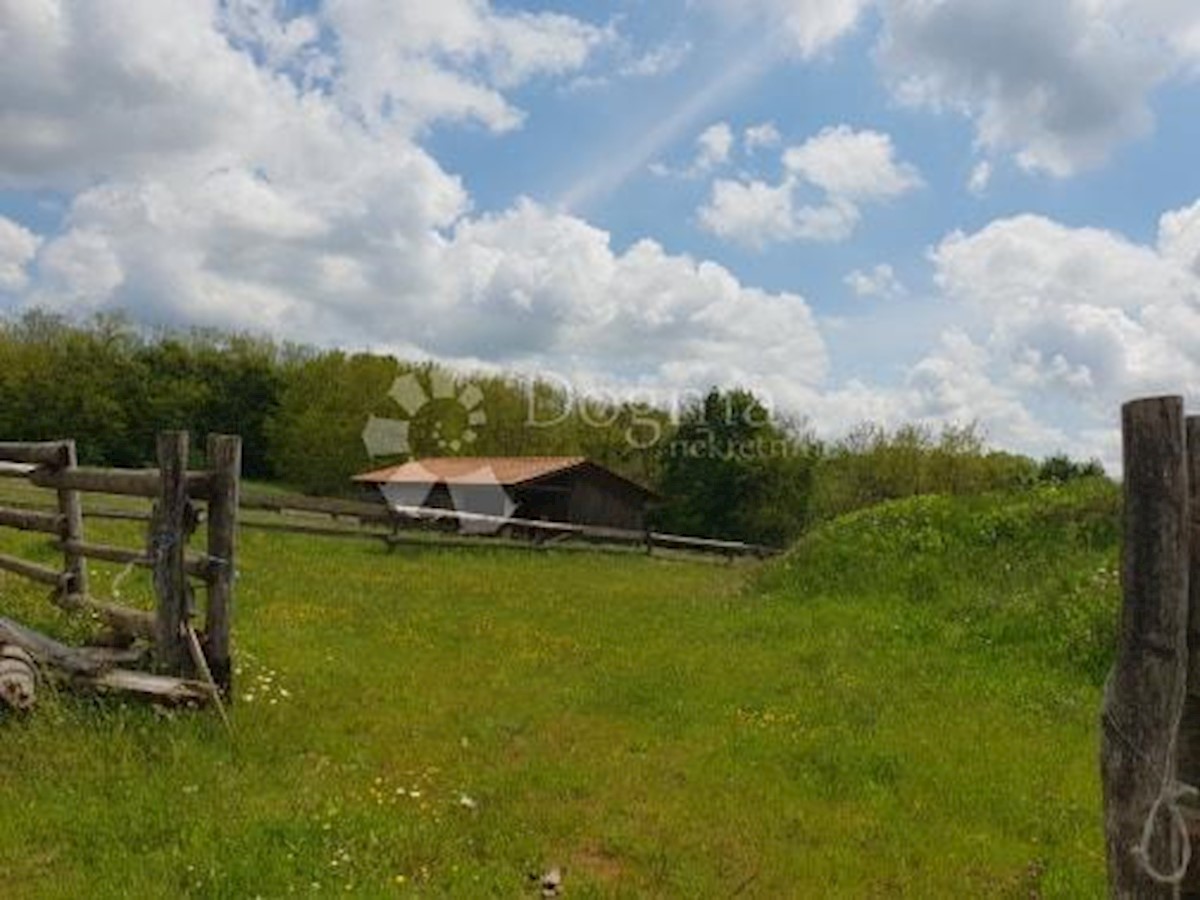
{"x": 729, "y": 471}
{"x": 1060, "y": 468}
{"x": 726, "y": 468}
{"x": 315, "y": 434}
{"x": 1029, "y": 568}
{"x": 872, "y": 465}
{"x": 112, "y": 388}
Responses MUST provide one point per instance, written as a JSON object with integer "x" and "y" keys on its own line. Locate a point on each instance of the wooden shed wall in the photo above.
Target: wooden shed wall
{"x": 599, "y": 499}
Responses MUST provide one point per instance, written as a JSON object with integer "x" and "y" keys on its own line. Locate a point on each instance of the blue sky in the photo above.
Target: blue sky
{"x": 899, "y": 210}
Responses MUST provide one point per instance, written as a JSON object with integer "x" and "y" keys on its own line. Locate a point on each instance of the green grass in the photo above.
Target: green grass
{"x": 904, "y": 705}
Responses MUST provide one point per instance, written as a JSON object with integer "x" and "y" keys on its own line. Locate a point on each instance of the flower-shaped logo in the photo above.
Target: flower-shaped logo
{"x": 459, "y": 415}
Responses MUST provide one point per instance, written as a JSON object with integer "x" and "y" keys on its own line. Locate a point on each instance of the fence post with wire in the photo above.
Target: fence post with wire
{"x": 1150, "y": 718}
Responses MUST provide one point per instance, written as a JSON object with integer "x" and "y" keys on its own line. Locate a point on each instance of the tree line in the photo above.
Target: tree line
{"x": 722, "y": 464}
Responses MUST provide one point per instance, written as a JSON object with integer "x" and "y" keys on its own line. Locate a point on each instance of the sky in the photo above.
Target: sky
{"x": 936, "y": 211}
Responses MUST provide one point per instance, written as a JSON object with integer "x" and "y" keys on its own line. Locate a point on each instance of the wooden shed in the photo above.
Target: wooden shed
{"x": 569, "y": 489}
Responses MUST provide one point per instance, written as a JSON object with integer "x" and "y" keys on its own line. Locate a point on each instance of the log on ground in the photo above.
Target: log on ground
{"x": 18, "y": 678}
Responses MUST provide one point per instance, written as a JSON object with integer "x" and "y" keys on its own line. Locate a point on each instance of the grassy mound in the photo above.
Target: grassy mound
{"x": 1035, "y": 572}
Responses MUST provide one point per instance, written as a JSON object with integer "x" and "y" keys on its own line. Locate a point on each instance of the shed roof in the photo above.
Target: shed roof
{"x": 507, "y": 471}
{"x": 504, "y": 470}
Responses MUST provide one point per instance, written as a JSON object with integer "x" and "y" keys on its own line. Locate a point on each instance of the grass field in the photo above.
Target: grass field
{"x": 903, "y": 706}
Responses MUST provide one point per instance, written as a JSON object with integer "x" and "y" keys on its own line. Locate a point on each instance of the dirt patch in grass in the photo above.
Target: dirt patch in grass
{"x": 597, "y": 863}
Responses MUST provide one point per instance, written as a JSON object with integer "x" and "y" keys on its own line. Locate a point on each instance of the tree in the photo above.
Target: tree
{"x": 731, "y": 472}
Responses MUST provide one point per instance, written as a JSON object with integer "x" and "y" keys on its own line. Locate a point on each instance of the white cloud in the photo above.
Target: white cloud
{"x": 1179, "y": 237}
{"x": 657, "y": 61}
{"x": 957, "y": 384}
{"x": 1058, "y": 85}
{"x": 762, "y": 136}
{"x": 715, "y": 144}
{"x": 754, "y": 212}
{"x": 292, "y": 43}
{"x": 981, "y": 177}
{"x": 855, "y": 165}
{"x": 848, "y": 167}
{"x": 881, "y": 282}
{"x": 313, "y": 213}
{"x": 90, "y": 91}
{"x": 415, "y": 62}
{"x": 17, "y": 248}
{"x": 757, "y": 214}
{"x": 1058, "y": 326}
{"x": 810, "y": 26}
{"x": 87, "y": 91}
{"x": 550, "y": 290}
{"x": 1079, "y": 315}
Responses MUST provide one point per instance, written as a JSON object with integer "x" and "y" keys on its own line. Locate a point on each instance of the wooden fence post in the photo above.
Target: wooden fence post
{"x": 168, "y": 541}
{"x": 225, "y": 466}
{"x": 70, "y": 507}
{"x": 1145, "y": 690}
{"x": 1189, "y": 728}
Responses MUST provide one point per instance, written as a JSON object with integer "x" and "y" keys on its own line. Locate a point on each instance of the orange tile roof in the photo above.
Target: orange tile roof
{"x": 503, "y": 470}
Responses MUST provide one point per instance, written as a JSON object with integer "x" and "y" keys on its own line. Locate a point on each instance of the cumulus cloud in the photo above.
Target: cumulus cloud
{"x": 17, "y": 248}
{"x": 1077, "y": 320}
{"x": 856, "y": 165}
{"x": 847, "y": 168}
{"x": 761, "y": 136}
{"x": 418, "y": 62}
{"x": 297, "y": 200}
{"x": 1179, "y": 237}
{"x": 881, "y": 282}
{"x": 1058, "y": 326}
{"x": 715, "y": 144}
{"x": 557, "y": 294}
{"x": 1058, "y": 85}
{"x": 714, "y": 147}
{"x": 89, "y": 91}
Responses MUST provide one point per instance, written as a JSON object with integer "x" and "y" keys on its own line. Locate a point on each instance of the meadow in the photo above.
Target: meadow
{"x": 903, "y": 705}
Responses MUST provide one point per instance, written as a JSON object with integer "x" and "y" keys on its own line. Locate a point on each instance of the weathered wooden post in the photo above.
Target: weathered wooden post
{"x": 168, "y": 542}
{"x": 1145, "y": 691}
{"x": 225, "y": 466}
{"x": 1189, "y": 729}
{"x": 70, "y": 507}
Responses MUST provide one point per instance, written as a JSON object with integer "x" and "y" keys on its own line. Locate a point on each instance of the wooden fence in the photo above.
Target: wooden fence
{"x": 375, "y": 520}
{"x": 1150, "y": 719}
{"x": 177, "y": 652}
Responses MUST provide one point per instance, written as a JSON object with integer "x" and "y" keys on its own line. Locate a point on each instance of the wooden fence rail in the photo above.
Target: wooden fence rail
{"x": 177, "y": 651}
{"x": 595, "y": 533}
{"x": 129, "y": 482}
{"x": 375, "y": 521}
